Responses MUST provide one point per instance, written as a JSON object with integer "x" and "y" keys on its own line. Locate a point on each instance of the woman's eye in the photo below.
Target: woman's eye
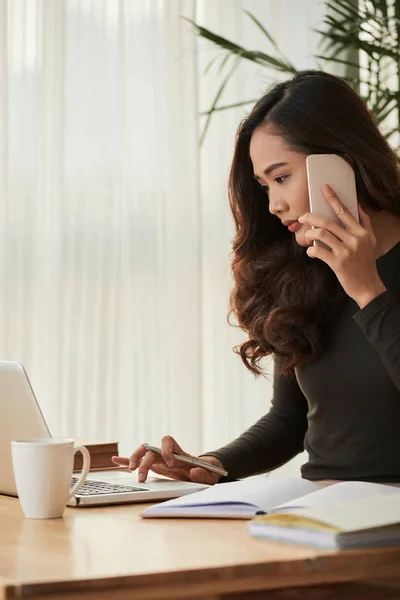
{"x": 264, "y": 188}
{"x": 280, "y": 180}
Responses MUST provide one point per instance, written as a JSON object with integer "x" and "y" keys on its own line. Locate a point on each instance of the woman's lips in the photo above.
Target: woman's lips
{"x": 293, "y": 225}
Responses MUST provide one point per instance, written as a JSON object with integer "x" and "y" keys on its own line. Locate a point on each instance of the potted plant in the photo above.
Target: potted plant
{"x": 362, "y": 37}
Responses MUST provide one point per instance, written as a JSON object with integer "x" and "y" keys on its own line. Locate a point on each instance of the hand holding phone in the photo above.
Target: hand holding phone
{"x": 335, "y": 171}
{"x": 190, "y": 461}
{"x": 172, "y": 462}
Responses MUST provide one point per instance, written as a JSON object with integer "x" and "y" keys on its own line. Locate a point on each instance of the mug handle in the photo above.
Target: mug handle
{"x": 84, "y": 472}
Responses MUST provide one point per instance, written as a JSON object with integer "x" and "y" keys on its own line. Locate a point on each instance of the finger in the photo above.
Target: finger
{"x": 136, "y": 457}
{"x": 161, "y": 469}
{"x": 199, "y": 475}
{"x": 320, "y": 222}
{"x": 120, "y": 460}
{"x": 339, "y": 208}
{"x": 145, "y": 465}
{"x": 168, "y": 446}
{"x": 324, "y": 236}
{"x": 322, "y": 254}
{"x": 365, "y": 220}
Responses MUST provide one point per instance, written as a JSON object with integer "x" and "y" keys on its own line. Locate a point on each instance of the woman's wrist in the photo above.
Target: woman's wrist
{"x": 370, "y": 295}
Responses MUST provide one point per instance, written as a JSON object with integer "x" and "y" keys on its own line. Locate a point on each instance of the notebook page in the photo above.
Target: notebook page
{"x": 338, "y": 492}
{"x": 259, "y": 493}
{"x": 357, "y": 514}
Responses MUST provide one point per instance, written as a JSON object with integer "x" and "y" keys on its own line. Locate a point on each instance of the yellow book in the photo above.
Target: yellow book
{"x": 358, "y": 523}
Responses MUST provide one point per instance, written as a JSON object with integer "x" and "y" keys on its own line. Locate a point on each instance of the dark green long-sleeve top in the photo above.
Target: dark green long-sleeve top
{"x": 343, "y": 408}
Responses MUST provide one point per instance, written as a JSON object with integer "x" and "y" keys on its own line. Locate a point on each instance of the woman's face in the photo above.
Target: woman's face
{"x": 282, "y": 172}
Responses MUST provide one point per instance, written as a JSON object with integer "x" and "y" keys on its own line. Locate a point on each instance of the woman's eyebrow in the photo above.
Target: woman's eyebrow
{"x": 271, "y": 168}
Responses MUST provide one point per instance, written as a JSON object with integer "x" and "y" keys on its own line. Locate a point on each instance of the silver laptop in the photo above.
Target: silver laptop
{"x": 21, "y": 418}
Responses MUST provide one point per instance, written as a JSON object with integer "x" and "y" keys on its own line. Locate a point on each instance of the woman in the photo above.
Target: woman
{"x": 330, "y": 318}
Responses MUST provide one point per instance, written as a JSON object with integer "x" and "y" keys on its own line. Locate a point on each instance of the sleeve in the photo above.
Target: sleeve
{"x": 276, "y": 438}
{"x": 380, "y": 322}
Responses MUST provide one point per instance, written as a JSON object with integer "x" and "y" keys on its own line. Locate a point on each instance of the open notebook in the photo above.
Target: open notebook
{"x": 250, "y": 497}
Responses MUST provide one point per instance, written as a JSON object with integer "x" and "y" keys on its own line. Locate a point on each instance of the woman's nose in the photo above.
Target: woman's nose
{"x": 276, "y": 205}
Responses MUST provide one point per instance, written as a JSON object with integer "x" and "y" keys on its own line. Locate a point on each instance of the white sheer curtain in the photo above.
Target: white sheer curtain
{"x": 114, "y": 228}
{"x": 230, "y": 392}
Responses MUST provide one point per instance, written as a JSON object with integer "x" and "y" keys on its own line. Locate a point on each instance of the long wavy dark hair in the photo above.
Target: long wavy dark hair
{"x": 283, "y": 299}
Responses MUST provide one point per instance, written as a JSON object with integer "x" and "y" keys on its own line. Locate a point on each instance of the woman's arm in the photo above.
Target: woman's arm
{"x": 380, "y": 322}
{"x": 276, "y": 438}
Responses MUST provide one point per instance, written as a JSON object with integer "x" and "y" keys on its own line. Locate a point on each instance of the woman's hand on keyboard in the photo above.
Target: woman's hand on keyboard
{"x": 165, "y": 464}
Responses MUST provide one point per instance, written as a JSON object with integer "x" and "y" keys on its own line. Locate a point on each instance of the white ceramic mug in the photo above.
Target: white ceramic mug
{"x": 42, "y": 470}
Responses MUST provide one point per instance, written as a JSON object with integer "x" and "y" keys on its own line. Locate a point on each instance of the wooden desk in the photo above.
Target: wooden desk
{"x": 111, "y": 553}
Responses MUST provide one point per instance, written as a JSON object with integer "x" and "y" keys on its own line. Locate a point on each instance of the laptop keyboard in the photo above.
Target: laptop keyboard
{"x": 95, "y": 488}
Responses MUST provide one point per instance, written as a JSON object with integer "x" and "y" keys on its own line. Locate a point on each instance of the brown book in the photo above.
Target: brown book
{"x": 100, "y": 454}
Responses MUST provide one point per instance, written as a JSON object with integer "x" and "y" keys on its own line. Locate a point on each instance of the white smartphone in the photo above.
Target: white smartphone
{"x": 191, "y": 461}
{"x": 336, "y": 172}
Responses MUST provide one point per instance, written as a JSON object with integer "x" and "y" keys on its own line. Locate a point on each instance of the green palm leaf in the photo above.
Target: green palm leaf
{"x": 225, "y": 106}
{"x": 351, "y": 30}
{"x": 217, "y": 97}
